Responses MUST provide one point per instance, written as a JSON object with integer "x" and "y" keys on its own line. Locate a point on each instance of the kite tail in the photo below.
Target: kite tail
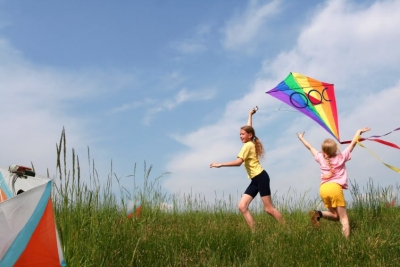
{"x": 375, "y": 138}
{"x": 387, "y": 165}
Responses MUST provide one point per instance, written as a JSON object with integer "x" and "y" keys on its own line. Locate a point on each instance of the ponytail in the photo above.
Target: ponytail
{"x": 259, "y": 147}
{"x": 330, "y": 149}
{"x": 328, "y": 175}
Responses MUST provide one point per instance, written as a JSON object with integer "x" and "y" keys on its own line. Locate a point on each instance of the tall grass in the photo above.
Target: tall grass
{"x": 95, "y": 230}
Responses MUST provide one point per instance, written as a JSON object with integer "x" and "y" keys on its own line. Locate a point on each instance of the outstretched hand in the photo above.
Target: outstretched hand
{"x": 215, "y": 165}
{"x": 306, "y": 144}
{"x": 356, "y": 137}
{"x": 300, "y": 135}
{"x": 363, "y": 130}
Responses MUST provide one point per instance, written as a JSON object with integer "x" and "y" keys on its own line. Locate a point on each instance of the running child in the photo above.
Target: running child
{"x": 334, "y": 179}
{"x": 250, "y": 154}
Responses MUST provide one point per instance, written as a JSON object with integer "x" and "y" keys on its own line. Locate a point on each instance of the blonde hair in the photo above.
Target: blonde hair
{"x": 330, "y": 149}
{"x": 256, "y": 141}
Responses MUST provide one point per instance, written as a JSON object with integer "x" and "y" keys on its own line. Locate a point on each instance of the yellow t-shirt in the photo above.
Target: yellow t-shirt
{"x": 249, "y": 156}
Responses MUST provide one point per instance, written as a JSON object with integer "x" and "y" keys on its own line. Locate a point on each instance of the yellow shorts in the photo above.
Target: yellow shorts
{"x": 332, "y": 195}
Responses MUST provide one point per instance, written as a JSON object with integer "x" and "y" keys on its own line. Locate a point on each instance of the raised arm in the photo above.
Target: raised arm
{"x": 357, "y": 136}
{"x": 234, "y": 163}
{"x": 306, "y": 144}
{"x": 249, "y": 120}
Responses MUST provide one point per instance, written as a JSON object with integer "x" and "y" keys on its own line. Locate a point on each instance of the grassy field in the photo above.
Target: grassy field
{"x": 95, "y": 230}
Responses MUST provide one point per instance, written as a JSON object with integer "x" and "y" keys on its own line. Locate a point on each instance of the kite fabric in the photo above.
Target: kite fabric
{"x": 311, "y": 97}
{"x": 28, "y": 232}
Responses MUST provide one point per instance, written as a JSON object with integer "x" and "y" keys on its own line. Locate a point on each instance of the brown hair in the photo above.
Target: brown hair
{"x": 330, "y": 148}
{"x": 256, "y": 141}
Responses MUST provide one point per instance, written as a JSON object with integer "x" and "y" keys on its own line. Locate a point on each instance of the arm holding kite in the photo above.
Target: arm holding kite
{"x": 307, "y": 144}
{"x": 357, "y": 136}
{"x": 249, "y": 120}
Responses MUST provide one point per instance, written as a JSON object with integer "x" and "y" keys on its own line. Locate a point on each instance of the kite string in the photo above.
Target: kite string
{"x": 280, "y": 109}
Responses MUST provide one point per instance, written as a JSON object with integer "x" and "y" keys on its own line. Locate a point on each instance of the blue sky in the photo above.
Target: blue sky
{"x": 171, "y": 82}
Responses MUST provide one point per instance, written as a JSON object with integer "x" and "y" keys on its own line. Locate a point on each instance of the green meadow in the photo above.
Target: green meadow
{"x": 95, "y": 231}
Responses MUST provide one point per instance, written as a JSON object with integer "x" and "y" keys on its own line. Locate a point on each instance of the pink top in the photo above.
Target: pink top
{"x": 339, "y": 175}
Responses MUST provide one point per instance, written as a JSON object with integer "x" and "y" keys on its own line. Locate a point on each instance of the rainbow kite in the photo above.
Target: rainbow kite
{"x": 317, "y": 100}
{"x": 311, "y": 97}
{"x": 28, "y": 232}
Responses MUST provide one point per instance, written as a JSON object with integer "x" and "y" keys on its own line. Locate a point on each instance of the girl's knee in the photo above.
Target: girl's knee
{"x": 336, "y": 216}
{"x": 242, "y": 207}
{"x": 269, "y": 210}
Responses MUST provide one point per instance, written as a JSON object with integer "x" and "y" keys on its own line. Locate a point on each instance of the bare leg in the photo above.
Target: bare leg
{"x": 269, "y": 208}
{"x": 244, "y": 209}
{"x": 344, "y": 220}
{"x": 331, "y": 215}
{"x": 338, "y": 214}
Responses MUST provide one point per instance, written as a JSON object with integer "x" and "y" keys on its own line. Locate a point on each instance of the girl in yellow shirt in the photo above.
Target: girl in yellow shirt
{"x": 250, "y": 153}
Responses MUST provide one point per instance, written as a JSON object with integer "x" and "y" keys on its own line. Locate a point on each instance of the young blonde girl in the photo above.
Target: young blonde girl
{"x": 250, "y": 153}
{"x": 334, "y": 179}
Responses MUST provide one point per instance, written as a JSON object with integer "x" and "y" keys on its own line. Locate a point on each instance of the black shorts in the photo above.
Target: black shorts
{"x": 259, "y": 183}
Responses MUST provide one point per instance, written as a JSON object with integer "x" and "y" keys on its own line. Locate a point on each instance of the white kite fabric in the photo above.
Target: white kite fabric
{"x": 28, "y": 232}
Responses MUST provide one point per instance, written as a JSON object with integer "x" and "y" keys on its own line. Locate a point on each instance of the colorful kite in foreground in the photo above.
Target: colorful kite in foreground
{"x": 28, "y": 232}
{"x": 311, "y": 97}
{"x": 317, "y": 100}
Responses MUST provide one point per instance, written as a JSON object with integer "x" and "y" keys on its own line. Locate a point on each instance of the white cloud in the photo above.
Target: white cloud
{"x": 132, "y": 105}
{"x": 195, "y": 44}
{"x": 349, "y": 45}
{"x": 181, "y": 97}
{"x": 242, "y": 30}
{"x": 172, "y": 80}
{"x": 359, "y": 38}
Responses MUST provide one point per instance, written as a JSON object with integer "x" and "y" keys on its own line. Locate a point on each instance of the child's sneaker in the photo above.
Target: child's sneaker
{"x": 314, "y": 215}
